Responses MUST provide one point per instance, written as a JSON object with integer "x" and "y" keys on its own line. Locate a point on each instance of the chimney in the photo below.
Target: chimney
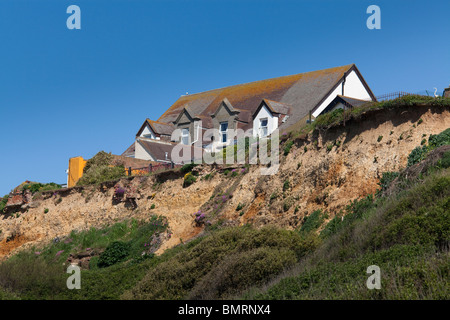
{"x": 446, "y": 92}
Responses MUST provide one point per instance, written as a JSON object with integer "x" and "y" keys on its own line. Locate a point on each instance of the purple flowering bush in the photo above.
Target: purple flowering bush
{"x": 200, "y": 218}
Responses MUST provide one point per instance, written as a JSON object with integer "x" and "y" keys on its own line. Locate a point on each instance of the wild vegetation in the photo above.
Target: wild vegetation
{"x": 101, "y": 168}
{"x": 118, "y": 255}
{"x": 406, "y": 235}
{"x": 337, "y": 116}
{"x": 404, "y": 228}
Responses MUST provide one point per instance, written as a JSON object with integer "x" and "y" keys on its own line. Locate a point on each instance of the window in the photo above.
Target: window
{"x": 223, "y": 131}
{"x": 185, "y": 136}
{"x": 263, "y": 127}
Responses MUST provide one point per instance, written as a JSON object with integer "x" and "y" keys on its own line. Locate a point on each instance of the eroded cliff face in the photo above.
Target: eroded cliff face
{"x": 322, "y": 171}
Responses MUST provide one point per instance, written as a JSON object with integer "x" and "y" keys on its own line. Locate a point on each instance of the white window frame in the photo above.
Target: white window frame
{"x": 185, "y": 136}
{"x": 261, "y": 127}
{"x": 224, "y": 132}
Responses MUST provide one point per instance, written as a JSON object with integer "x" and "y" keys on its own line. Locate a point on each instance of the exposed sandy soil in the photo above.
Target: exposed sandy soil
{"x": 318, "y": 178}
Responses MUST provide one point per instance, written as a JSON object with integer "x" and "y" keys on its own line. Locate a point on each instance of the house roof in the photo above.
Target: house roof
{"x": 274, "y": 107}
{"x": 158, "y": 149}
{"x": 157, "y": 127}
{"x": 349, "y": 102}
{"x": 277, "y": 107}
{"x": 130, "y": 151}
{"x": 352, "y": 101}
{"x": 302, "y": 91}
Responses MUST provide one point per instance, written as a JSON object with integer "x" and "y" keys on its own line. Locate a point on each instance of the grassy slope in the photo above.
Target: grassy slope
{"x": 407, "y": 235}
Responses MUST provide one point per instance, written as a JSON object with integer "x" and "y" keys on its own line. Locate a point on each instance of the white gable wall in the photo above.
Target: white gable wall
{"x": 140, "y": 152}
{"x": 272, "y": 122}
{"x": 353, "y": 88}
{"x": 148, "y": 133}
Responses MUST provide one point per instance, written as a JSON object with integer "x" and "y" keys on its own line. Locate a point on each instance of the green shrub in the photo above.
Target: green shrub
{"x": 208, "y": 176}
{"x": 222, "y": 264}
{"x": 38, "y": 273}
{"x": 417, "y": 155}
{"x": 101, "y": 168}
{"x": 241, "y": 270}
{"x": 313, "y": 221}
{"x": 287, "y": 147}
{"x": 328, "y": 119}
{"x": 3, "y": 202}
{"x": 114, "y": 253}
{"x": 406, "y": 235}
{"x": 336, "y": 117}
{"x": 286, "y": 206}
{"x": 386, "y": 180}
{"x": 445, "y": 160}
{"x": 286, "y": 185}
{"x": 438, "y": 140}
{"x": 354, "y": 212}
{"x": 379, "y": 138}
{"x": 31, "y": 277}
{"x": 189, "y": 179}
{"x": 188, "y": 167}
{"x": 239, "y": 207}
{"x": 101, "y": 159}
{"x": 434, "y": 141}
{"x": 153, "y": 206}
{"x": 39, "y": 187}
{"x": 408, "y": 272}
{"x": 99, "y": 174}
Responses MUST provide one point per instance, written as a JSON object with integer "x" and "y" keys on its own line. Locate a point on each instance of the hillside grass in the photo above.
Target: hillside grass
{"x": 223, "y": 263}
{"x": 40, "y": 273}
{"x": 406, "y": 234}
{"x": 336, "y": 117}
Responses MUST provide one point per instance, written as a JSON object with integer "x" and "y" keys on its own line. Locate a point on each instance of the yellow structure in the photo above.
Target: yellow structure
{"x": 76, "y": 166}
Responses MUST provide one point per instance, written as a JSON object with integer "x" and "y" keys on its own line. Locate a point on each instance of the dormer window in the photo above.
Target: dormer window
{"x": 223, "y": 131}
{"x": 263, "y": 127}
{"x": 149, "y": 136}
{"x": 185, "y": 136}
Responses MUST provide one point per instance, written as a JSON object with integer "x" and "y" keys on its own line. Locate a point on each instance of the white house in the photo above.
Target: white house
{"x": 258, "y": 107}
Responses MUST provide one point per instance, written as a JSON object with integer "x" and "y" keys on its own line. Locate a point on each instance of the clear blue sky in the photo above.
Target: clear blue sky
{"x": 66, "y": 93}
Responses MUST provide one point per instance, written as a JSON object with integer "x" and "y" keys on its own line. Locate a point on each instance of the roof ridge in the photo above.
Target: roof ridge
{"x": 287, "y": 104}
{"x": 269, "y": 79}
{"x": 159, "y": 122}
